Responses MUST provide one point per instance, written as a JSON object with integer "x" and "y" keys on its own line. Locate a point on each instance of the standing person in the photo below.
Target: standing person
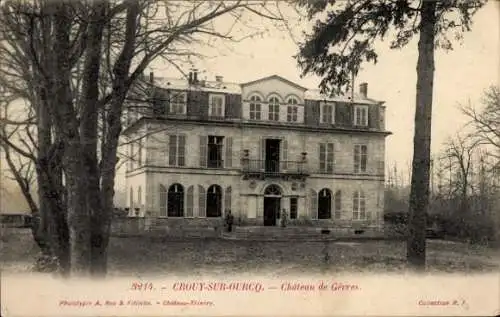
{"x": 283, "y": 218}
{"x": 229, "y": 221}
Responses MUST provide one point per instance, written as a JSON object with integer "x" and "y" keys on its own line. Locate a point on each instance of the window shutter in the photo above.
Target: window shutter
{"x": 181, "y": 150}
{"x": 322, "y": 157}
{"x": 189, "y": 201}
{"x": 262, "y": 152}
{"x": 364, "y": 158}
{"x": 356, "y": 158}
{"x": 362, "y": 205}
{"x": 163, "y": 201}
{"x": 172, "y": 150}
{"x": 338, "y": 204}
{"x": 330, "y": 157}
{"x": 201, "y": 201}
{"x": 229, "y": 152}
{"x": 284, "y": 150}
{"x": 227, "y": 198}
{"x": 203, "y": 150}
{"x": 313, "y": 200}
{"x": 165, "y": 150}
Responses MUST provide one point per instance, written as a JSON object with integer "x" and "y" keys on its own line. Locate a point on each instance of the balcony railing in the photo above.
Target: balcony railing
{"x": 271, "y": 167}
{"x": 215, "y": 164}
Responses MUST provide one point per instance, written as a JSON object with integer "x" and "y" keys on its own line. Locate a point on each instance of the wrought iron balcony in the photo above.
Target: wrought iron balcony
{"x": 215, "y": 163}
{"x": 273, "y": 168}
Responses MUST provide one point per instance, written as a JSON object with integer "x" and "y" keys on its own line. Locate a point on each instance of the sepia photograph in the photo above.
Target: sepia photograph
{"x": 250, "y": 157}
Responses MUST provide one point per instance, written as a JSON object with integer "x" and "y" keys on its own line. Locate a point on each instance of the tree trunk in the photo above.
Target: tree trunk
{"x": 53, "y": 225}
{"x": 65, "y": 118}
{"x": 419, "y": 195}
{"x": 101, "y": 222}
{"x": 88, "y": 128}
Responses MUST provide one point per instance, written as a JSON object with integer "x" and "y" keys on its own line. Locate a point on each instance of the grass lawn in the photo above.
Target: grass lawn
{"x": 157, "y": 256}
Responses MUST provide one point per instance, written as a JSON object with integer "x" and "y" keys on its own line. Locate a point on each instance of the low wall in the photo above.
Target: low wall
{"x": 212, "y": 227}
{"x": 172, "y": 227}
{"x": 130, "y": 226}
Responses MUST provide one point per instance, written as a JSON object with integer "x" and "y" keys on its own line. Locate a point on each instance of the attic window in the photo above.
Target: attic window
{"x": 216, "y": 105}
{"x": 177, "y": 104}
{"x": 327, "y": 112}
{"x": 361, "y": 116}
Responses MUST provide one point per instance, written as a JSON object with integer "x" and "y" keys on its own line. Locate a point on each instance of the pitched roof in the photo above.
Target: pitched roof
{"x": 275, "y": 77}
{"x": 315, "y": 94}
{"x": 211, "y": 86}
{"x": 235, "y": 88}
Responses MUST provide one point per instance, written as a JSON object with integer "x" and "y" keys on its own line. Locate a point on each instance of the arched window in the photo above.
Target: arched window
{"x": 175, "y": 201}
{"x": 214, "y": 201}
{"x": 292, "y": 110}
{"x": 274, "y": 109}
{"x": 255, "y": 108}
{"x": 358, "y": 206}
{"x": 324, "y": 204}
{"x": 272, "y": 190}
{"x": 338, "y": 204}
{"x": 163, "y": 201}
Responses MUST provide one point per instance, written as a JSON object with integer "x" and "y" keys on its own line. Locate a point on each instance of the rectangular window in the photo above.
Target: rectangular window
{"x": 274, "y": 112}
{"x": 177, "y": 103}
{"x": 216, "y": 106}
{"x": 255, "y": 111}
{"x": 291, "y": 115}
{"x": 359, "y": 206}
{"x": 327, "y": 113}
{"x": 326, "y": 158}
{"x": 214, "y": 151}
{"x": 360, "y": 158}
{"x": 293, "y": 207}
{"x": 176, "y": 150}
{"x": 361, "y": 116}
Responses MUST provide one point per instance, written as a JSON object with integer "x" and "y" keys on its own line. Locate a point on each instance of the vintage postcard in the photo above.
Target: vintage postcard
{"x": 250, "y": 158}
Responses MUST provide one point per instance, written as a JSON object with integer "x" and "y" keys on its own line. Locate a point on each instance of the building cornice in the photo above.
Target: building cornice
{"x": 237, "y": 123}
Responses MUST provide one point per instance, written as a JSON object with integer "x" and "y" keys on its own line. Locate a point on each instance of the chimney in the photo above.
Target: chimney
{"x": 219, "y": 79}
{"x": 151, "y": 77}
{"x": 195, "y": 76}
{"x": 363, "y": 90}
{"x": 190, "y": 79}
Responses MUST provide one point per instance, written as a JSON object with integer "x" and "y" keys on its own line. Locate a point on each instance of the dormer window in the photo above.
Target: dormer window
{"x": 255, "y": 108}
{"x": 361, "y": 116}
{"x": 178, "y": 101}
{"x": 292, "y": 110}
{"x": 327, "y": 113}
{"x": 216, "y": 105}
{"x": 274, "y": 109}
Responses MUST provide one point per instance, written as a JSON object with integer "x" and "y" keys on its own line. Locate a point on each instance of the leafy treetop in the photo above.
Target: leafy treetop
{"x": 344, "y": 33}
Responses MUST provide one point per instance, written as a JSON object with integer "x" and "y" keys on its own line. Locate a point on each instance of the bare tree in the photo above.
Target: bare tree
{"x": 81, "y": 119}
{"x": 486, "y": 121}
{"x": 458, "y": 157}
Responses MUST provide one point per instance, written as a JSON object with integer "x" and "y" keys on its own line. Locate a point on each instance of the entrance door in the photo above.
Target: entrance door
{"x": 272, "y": 205}
{"x": 272, "y": 155}
{"x": 271, "y": 210}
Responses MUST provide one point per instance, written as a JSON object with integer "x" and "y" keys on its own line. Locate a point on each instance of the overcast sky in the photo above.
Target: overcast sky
{"x": 461, "y": 75}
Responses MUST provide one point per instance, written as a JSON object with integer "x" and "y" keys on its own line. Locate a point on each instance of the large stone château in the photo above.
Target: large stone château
{"x": 198, "y": 148}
